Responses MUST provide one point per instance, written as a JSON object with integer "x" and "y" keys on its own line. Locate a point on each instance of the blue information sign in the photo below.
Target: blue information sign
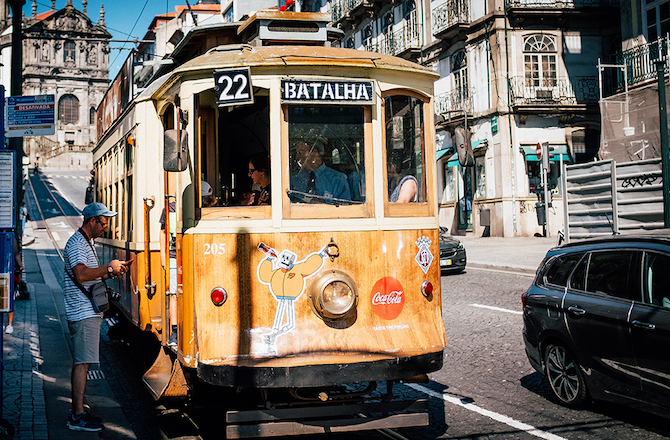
{"x": 30, "y": 115}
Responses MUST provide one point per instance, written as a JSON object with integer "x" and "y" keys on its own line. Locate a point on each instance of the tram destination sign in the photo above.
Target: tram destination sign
{"x": 30, "y": 115}
{"x": 342, "y": 92}
{"x": 233, "y": 87}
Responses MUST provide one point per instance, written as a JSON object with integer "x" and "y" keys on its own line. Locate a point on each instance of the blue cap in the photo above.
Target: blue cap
{"x": 97, "y": 209}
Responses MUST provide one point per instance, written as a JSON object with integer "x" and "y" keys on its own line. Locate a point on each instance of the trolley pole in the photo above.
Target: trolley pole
{"x": 665, "y": 149}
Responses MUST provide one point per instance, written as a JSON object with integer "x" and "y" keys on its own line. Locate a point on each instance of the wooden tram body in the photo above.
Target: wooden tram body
{"x": 311, "y": 292}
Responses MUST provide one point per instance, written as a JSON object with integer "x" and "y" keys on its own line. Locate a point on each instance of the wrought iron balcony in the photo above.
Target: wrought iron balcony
{"x": 450, "y": 14}
{"x": 395, "y": 43}
{"x": 575, "y": 90}
{"x": 560, "y": 4}
{"x": 340, "y": 8}
{"x": 640, "y": 61}
{"x": 453, "y": 101}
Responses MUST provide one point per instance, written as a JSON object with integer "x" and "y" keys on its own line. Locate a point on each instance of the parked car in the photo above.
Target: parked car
{"x": 452, "y": 253}
{"x": 597, "y": 321}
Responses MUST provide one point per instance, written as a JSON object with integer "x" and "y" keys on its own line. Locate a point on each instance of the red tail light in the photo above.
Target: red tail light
{"x": 427, "y": 288}
{"x": 524, "y": 298}
{"x": 219, "y": 296}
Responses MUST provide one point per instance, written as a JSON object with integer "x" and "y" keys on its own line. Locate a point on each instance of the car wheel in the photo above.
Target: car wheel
{"x": 565, "y": 376}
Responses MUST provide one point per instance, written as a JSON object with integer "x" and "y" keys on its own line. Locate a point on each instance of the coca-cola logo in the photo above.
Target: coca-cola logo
{"x": 388, "y": 298}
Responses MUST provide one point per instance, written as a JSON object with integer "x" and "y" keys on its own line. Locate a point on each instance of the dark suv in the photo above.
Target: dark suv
{"x": 597, "y": 321}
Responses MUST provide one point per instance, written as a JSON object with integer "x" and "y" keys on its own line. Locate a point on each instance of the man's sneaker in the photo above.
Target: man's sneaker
{"x": 83, "y": 422}
{"x": 9, "y": 329}
{"x": 173, "y": 340}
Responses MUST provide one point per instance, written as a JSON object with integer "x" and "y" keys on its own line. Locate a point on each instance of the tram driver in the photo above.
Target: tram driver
{"x": 314, "y": 182}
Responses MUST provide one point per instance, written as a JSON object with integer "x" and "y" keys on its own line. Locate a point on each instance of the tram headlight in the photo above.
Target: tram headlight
{"x": 333, "y": 295}
{"x": 219, "y": 296}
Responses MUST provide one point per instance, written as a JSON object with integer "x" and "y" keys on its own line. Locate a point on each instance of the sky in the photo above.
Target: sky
{"x": 125, "y": 20}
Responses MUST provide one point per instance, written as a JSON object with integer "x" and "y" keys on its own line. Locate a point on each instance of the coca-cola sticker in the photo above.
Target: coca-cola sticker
{"x": 388, "y": 298}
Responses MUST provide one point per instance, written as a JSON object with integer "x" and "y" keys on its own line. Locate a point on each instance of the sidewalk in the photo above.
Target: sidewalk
{"x": 520, "y": 254}
{"x": 37, "y": 360}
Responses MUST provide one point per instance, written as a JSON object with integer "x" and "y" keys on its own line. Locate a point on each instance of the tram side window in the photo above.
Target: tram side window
{"x": 405, "y": 149}
{"x": 238, "y": 167}
{"x": 326, "y": 154}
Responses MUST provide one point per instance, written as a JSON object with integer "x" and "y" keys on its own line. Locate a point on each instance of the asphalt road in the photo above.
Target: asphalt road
{"x": 487, "y": 389}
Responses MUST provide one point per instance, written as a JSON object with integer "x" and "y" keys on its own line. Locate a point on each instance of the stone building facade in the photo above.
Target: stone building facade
{"x": 67, "y": 55}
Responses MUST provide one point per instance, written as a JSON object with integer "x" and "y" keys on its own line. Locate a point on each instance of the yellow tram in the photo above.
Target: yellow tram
{"x": 333, "y": 278}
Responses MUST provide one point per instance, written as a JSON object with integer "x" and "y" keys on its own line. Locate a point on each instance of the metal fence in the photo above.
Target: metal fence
{"x": 450, "y": 14}
{"x": 640, "y": 61}
{"x": 394, "y": 43}
{"x": 340, "y": 8}
{"x": 453, "y": 101}
{"x": 605, "y": 197}
{"x": 562, "y": 91}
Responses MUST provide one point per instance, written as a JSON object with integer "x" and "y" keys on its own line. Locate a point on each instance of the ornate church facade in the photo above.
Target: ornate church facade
{"x": 67, "y": 55}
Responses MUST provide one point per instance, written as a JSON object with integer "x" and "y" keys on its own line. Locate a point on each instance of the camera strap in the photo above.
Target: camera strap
{"x": 69, "y": 270}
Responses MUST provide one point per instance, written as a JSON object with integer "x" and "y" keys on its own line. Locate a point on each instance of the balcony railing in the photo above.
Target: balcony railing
{"x": 340, "y": 8}
{"x": 640, "y": 61}
{"x": 574, "y": 90}
{"x": 560, "y": 4}
{"x": 450, "y": 14}
{"x": 453, "y": 101}
{"x": 407, "y": 37}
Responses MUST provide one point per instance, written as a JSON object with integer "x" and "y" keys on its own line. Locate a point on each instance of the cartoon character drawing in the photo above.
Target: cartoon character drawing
{"x": 286, "y": 279}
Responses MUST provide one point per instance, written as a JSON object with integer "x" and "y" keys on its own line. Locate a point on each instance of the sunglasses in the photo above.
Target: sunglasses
{"x": 251, "y": 171}
{"x": 101, "y": 223}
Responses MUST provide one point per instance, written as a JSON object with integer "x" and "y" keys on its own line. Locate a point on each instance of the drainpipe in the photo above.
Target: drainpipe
{"x": 509, "y": 118}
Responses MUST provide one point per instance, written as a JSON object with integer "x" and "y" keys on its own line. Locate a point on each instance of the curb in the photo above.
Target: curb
{"x": 507, "y": 268}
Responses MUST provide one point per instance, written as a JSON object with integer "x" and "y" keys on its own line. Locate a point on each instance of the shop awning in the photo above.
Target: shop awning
{"x": 441, "y": 153}
{"x": 531, "y": 154}
{"x": 480, "y": 144}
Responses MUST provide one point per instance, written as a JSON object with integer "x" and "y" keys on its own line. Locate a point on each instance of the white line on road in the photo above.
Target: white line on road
{"x": 55, "y": 235}
{"x": 495, "y": 416}
{"x": 497, "y": 309}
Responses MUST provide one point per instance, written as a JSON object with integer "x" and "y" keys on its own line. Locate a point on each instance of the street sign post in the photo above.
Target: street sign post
{"x": 30, "y": 116}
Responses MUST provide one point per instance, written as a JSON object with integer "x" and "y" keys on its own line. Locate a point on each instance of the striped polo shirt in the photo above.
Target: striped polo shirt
{"x": 77, "y": 305}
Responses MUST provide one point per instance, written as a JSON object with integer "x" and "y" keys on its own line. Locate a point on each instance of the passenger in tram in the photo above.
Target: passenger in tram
{"x": 317, "y": 182}
{"x": 402, "y": 188}
{"x": 259, "y": 171}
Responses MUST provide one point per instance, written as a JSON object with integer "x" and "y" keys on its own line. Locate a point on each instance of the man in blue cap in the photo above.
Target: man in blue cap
{"x": 81, "y": 264}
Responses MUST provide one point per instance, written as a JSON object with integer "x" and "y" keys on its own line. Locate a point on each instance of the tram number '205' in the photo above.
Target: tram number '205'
{"x": 214, "y": 249}
{"x": 232, "y": 87}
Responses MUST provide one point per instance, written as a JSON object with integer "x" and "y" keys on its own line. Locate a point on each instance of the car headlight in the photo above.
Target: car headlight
{"x": 333, "y": 295}
{"x": 460, "y": 246}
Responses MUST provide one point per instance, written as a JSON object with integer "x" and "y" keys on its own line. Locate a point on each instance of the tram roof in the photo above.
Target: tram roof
{"x": 243, "y": 55}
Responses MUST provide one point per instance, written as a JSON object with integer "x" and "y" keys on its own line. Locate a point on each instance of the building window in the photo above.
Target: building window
{"x": 366, "y": 35}
{"x": 540, "y": 60}
{"x": 480, "y": 177}
{"x": 229, "y": 15}
{"x": 91, "y": 116}
{"x": 459, "y": 67}
{"x": 68, "y": 109}
{"x": 448, "y": 193}
{"x": 657, "y": 15}
{"x": 387, "y": 22}
{"x": 69, "y": 52}
{"x": 407, "y": 8}
{"x": 349, "y": 43}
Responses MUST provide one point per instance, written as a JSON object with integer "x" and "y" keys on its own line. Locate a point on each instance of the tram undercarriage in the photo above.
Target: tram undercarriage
{"x": 272, "y": 412}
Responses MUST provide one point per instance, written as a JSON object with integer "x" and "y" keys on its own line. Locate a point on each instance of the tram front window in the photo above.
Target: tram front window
{"x": 326, "y": 154}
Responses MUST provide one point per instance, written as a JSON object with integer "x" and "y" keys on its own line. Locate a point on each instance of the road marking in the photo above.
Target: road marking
{"x": 506, "y": 271}
{"x": 497, "y": 309}
{"x": 495, "y": 416}
{"x": 55, "y": 235}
